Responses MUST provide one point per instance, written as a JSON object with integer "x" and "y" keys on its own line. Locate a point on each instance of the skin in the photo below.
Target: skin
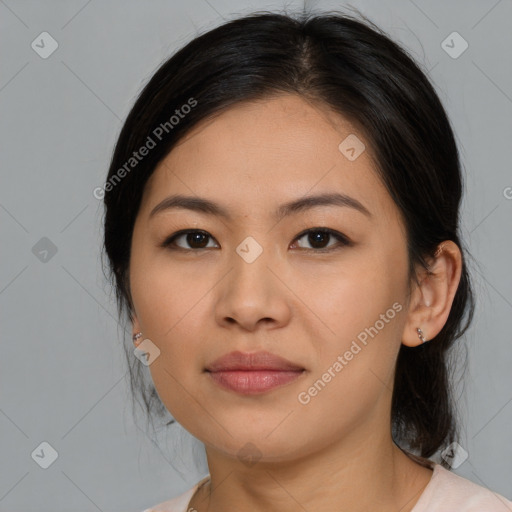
{"x": 336, "y": 452}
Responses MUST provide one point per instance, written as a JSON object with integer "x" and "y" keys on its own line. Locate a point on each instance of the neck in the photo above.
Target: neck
{"x": 349, "y": 475}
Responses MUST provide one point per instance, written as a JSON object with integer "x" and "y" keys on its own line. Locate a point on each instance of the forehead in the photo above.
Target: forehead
{"x": 261, "y": 153}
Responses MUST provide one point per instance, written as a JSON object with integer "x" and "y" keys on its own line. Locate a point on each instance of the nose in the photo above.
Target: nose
{"x": 251, "y": 295}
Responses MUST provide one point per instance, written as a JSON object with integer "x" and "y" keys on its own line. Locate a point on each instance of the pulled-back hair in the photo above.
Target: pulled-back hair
{"x": 353, "y": 68}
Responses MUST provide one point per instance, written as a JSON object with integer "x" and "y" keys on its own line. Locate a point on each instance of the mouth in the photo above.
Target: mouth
{"x": 252, "y": 382}
{"x": 253, "y": 373}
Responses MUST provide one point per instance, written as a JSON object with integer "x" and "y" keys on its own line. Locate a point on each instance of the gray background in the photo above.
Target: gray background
{"x": 63, "y": 375}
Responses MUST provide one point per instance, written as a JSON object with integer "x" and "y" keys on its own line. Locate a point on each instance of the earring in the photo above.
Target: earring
{"x": 439, "y": 251}
{"x": 420, "y": 335}
{"x": 136, "y": 336}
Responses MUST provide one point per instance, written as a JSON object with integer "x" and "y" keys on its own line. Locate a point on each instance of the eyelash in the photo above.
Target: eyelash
{"x": 169, "y": 242}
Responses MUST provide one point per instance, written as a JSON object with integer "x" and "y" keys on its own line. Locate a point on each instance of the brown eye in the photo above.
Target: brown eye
{"x": 193, "y": 239}
{"x": 197, "y": 240}
{"x": 319, "y": 238}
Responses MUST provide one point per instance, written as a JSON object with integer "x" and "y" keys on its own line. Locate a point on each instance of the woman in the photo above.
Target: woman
{"x": 282, "y": 228}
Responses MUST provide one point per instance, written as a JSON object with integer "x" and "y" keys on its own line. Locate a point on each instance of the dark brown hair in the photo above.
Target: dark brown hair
{"x": 355, "y": 69}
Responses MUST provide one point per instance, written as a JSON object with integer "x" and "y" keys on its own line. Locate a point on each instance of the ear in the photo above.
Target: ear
{"x": 432, "y": 299}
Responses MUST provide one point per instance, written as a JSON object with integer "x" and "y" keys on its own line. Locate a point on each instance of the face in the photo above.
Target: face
{"x": 323, "y": 285}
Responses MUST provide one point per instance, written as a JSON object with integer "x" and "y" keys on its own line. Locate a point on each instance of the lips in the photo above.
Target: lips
{"x": 242, "y": 361}
{"x": 251, "y": 374}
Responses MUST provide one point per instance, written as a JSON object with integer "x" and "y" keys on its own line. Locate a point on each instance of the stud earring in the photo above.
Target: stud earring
{"x": 136, "y": 336}
{"x": 420, "y": 335}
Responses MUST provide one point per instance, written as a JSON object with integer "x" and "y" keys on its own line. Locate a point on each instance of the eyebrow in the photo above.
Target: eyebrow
{"x": 202, "y": 205}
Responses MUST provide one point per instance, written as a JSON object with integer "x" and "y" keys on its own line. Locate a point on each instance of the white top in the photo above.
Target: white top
{"x": 445, "y": 492}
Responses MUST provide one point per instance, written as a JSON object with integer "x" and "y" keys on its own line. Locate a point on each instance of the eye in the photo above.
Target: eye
{"x": 318, "y": 238}
{"x": 196, "y": 239}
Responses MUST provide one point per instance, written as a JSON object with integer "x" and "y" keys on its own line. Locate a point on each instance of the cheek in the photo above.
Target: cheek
{"x": 355, "y": 366}
{"x": 360, "y": 314}
{"x": 351, "y": 295}
{"x": 165, "y": 294}
{"x": 169, "y": 307}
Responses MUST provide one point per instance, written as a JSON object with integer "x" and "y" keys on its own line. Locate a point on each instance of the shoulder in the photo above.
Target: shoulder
{"x": 179, "y": 503}
{"x": 447, "y": 491}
